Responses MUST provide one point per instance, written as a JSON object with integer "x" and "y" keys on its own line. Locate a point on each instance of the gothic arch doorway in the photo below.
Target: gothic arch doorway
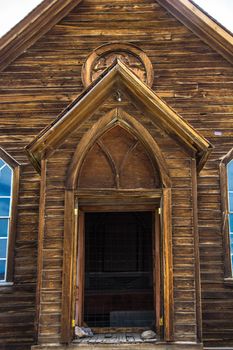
{"x": 117, "y": 173}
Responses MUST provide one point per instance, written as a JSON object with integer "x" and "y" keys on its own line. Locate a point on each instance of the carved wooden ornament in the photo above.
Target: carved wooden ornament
{"x": 129, "y": 54}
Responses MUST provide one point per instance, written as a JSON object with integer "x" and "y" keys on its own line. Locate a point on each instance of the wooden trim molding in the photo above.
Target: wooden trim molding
{"x": 157, "y": 270}
{"x": 118, "y": 78}
{"x": 166, "y": 208}
{"x": 225, "y": 210}
{"x": 32, "y": 27}
{"x": 13, "y": 220}
{"x": 227, "y": 158}
{"x": 196, "y": 251}
{"x": 80, "y": 271}
{"x": 40, "y": 241}
{"x": 116, "y": 116}
{"x": 118, "y": 50}
{"x": 118, "y": 200}
{"x": 71, "y": 248}
{"x": 202, "y": 25}
{"x": 69, "y": 259}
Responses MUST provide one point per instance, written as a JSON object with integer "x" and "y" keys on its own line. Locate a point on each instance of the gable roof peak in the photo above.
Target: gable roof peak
{"x": 49, "y": 12}
{"x": 117, "y": 77}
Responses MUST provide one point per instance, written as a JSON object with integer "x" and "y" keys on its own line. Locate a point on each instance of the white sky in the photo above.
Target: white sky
{"x": 12, "y": 11}
{"x": 221, "y": 10}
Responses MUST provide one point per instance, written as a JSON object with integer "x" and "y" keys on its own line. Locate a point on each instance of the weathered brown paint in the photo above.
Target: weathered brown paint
{"x": 196, "y": 82}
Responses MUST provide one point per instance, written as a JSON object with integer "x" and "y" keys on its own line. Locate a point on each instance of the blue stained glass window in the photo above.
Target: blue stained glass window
{"x": 231, "y": 222}
{"x": 1, "y": 163}
{"x": 231, "y": 242}
{"x": 230, "y": 175}
{"x": 4, "y": 227}
{"x": 231, "y": 201}
{"x": 3, "y": 247}
{"x": 6, "y": 177}
{"x": 230, "y": 205}
{"x": 5, "y": 206}
{"x": 2, "y": 269}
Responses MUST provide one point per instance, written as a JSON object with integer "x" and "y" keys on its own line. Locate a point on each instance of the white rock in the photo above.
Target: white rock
{"x": 83, "y": 332}
{"x": 148, "y": 335}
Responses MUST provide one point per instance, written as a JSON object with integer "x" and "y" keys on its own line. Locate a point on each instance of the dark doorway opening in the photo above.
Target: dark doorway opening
{"x": 119, "y": 286}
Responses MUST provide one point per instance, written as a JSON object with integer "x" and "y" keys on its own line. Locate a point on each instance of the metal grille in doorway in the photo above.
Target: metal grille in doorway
{"x": 118, "y": 270}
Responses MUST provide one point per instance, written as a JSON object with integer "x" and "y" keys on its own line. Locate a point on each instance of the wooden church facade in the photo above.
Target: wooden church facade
{"x": 117, "y": 118}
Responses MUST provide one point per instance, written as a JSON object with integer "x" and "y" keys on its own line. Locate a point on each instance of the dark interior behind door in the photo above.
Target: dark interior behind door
{"x": 118, "y": 270}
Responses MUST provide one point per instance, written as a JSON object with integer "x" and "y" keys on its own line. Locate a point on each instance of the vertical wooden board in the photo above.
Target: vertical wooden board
{"x": 40, "y": 242}
{"x": 157, "y": 263}
{"x": 67, "y": 288}
{"x": 80, "y": 270}
{"x": 168, "y": 271}
{"x": 196, "y": 251}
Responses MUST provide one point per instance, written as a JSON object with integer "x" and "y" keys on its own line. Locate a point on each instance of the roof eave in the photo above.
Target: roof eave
{"x": 32, "y": 27}
{"x": 202, "y": 25}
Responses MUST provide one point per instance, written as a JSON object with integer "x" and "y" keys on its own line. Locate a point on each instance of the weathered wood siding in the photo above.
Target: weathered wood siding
{"x": 192, "y": 78}
{"x": 17, "y": 302}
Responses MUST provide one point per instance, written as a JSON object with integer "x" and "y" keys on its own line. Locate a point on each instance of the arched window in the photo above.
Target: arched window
{"x": 230, "y": 207}
{"x": 6, "y": 179}
{"x": 226, "y": 179}
{"x": 9, "y": 176}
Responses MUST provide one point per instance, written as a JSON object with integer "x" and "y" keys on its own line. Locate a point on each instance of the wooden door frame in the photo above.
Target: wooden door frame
{"x": 124, "y": 198}
{"x": 156, "y": 256}
{"x": 138, "y": 199}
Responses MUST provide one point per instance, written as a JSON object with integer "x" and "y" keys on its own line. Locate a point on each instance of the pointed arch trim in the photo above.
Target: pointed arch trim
{"x": 116, "y": 116}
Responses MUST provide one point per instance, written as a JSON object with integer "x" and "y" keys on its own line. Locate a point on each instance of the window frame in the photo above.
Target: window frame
{"x": 228, "y": 269}
{"x": 14, "y": 165}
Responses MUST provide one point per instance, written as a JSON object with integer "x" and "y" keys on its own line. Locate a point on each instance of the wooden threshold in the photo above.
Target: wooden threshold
{"x": 115, "y": 338}
{"x": 133, "y": 346}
